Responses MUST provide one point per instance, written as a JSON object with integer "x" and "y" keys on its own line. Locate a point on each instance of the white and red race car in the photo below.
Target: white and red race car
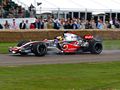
{"x": 69, "y": 43}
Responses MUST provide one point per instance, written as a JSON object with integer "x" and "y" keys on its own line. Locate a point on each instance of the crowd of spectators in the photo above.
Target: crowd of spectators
{"x": 51, "y": 23}
{"x": 9, "y": 9}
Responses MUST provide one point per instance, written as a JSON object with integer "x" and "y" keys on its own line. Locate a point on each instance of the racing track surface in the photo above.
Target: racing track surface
{"x": 13, "y": 60}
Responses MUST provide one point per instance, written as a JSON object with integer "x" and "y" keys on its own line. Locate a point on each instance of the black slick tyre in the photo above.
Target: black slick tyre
{"x": 96, "y": 47}
{"x": 39, "y": 49}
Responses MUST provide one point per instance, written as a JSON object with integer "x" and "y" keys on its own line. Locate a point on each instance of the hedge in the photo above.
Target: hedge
{"x": 16, "y": 35}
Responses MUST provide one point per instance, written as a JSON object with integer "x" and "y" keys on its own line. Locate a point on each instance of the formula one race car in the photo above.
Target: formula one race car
{"x": 66, "y": 44}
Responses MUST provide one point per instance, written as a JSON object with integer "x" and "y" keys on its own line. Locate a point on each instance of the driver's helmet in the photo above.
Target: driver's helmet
{"x": 60, "y": 38}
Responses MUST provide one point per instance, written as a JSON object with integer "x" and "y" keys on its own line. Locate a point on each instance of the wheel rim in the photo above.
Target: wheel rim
{"x": 98, "y": 48}
{"x": 41, "y": 49}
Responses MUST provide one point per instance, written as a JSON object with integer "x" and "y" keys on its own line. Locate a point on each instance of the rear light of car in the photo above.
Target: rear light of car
{"x": 88, "y": 36}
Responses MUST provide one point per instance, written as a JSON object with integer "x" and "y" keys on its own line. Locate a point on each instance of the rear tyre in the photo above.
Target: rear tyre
{"x": 20, "y": 43}
{"x": 39, "y": 49}
{"x": 96, "y": 47}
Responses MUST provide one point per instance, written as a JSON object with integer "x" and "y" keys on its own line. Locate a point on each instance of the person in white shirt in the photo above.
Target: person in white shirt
{"x": 27, "y": 24}
{"x": 14, "y": 25}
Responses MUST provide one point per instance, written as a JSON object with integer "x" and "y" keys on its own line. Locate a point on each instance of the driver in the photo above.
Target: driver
{"x": 67, "y": 37}
{"x": 58, "y": 41}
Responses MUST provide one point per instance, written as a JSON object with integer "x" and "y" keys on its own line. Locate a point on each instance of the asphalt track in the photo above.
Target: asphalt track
{"x": 14, "y": 60}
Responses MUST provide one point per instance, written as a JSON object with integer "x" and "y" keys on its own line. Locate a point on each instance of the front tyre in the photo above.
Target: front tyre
{"x": 39, "y": 49}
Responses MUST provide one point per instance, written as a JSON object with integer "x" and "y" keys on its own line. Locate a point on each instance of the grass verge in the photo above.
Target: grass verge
{"x": 84, "y": 76}
{"x": 111, "y": 44}
{"x": 4, "y": 47}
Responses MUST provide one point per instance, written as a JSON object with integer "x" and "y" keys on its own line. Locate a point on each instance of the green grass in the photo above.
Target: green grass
{"x": 107, "y": 45}
{"x": 111, "y": 44}
{"x": 84, "y": 76}
{"x": 4, "y": 47}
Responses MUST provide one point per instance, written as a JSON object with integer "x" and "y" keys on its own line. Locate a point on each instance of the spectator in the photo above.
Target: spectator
{"x": 88, "y": 25}
{"x": 14, "y": 25}
{"x": 36, "y": 24}
{"x": 45, "y": 24}
{"x": 93, "y": 24}
{"x": 100, "y": 24}
{"x": 49, "y": 25}
{"x": 27, "y": 24}
{"x": 9, "y": 9}
{"x": 117, "y": 23}
{"x": 22, "y": 25}
{"x": 65, "y": 25}
{"x": 78, "y": 23}
{"x": 40, "y": 24}
{"x": 112, "y": 24}
{"x": 83, "y": 24}
{"x": 74, "y": 25}
{"x": 1, "y": 27}
{"x": 57, "y": 24}
{"x": 32, "y": 26}
{"x": 6, "y": 25}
